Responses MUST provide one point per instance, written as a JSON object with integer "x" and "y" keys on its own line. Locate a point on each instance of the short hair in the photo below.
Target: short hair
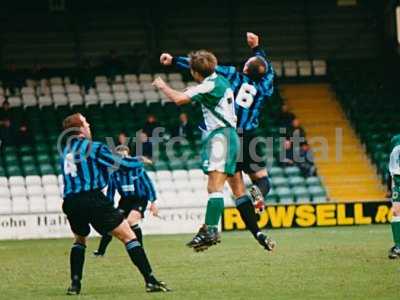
{"x": 73, "y": 121}
{"x": 257, "y": 68}
{"x": 203, "y": 62}
{"x": 122, "y": 148}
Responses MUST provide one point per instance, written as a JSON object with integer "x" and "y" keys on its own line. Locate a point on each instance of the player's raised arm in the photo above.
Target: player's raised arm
{"x": 175, "y": 96}
{"x": 107, "y": 159}
{"x": 253, "y": 40}
{"x": 181, "y": 62}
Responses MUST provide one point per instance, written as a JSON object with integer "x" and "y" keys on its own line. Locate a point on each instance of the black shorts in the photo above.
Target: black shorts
{"x": 126, "y": 205}
{"x": 92, "y": 208}
{"x": 252, "y": 156}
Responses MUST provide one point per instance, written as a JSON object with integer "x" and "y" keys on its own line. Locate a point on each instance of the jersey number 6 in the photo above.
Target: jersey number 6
{"x": 245, "y": 96}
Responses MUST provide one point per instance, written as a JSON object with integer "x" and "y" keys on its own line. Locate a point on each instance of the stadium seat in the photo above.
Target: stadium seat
{"x": 5, "y": 207}
{"x": 4, "y": 192}
{"x": 180, "y": 174}
{"x": 16, "y": 181}
{"x": 301, "y": 194}
{"x": 60, "y": 100}
{"x": 53, "y": 203}
{"x": 37, "y": 203}
{"x": 277, "y": 65}
{"x": 15, "y": 101}
{"x": 51, "y": 190}
{"x": 20, "y": 204}
{"x": 57, "y": 89}
{"x": 3, "y": 182}
{"x": 295, "y": 181}
{"x": 317, "y": 193}
{"x": 175, "y": 77}
{"x": 163, "y": 76}
{"x": 292, "y": 171}
{"x": 73, "y": 89}
{"x": 33, "y": 180}
{"x": 34, "y": 190}
{"x": 279, "y": 182}
{"x": 130, "y": 78}
{"x": 145, "y": 78}
{"x": 285, "y": 195}
{"x": 45, "y": 101}
{"x": 290, "y": 68}
{"x": 147, "y": 86}
{"x": 319, "y": 67}
{"x": 305, "y": 69}
{"x": 166, "y": 186}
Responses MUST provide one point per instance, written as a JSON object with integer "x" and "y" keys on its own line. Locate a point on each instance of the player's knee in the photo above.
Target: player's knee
{"x": 264, "y": 184}
{"x": 80, "y": 240}
{"x": 396, "y": 209}
{"x": 123, "y": 232}
{"x": 134, "y": 217}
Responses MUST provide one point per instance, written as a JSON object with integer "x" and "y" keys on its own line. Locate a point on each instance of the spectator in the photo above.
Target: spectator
{"x": 123, "y": 139}
{"x": 306, "y": 162}
{"x": 150, "y": 124}
{"x": 144, "y": 147}
{"x": 23, "y": 134}
{"x": 5, "y": 123}
{"x": 285, "y": 117}
{"x": 296, "y": 132}
{"x": 185, "y": 128}
{"x": 287, "y": 159}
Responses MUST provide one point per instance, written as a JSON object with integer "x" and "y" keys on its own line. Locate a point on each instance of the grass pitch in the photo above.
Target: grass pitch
{"x": 318, "y": 263}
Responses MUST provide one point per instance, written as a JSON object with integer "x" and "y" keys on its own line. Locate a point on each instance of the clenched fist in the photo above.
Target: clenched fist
{"x": 159, "y": 83}
{"x": 166, "y": 59}
{"x": 252, "y": 40}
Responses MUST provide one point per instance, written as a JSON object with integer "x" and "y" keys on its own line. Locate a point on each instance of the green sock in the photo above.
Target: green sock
{"x": 215, "y": 206}
{"x": 396, "y": 230}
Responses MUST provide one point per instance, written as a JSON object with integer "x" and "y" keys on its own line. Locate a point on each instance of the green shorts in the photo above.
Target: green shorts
{"x": 396, "y": 188}
{"x": 220, "y": 150}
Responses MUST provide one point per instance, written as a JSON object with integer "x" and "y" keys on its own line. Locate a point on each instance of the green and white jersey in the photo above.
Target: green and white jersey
{"x": 217, "y": 101}
{"x": 394, "y": 163}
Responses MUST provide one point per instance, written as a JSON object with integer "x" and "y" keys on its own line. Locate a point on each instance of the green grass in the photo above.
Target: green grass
{"x": 324, "y": 263}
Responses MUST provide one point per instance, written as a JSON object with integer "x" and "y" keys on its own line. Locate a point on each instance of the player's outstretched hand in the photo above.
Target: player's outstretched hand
{"x": 145, "y": 160}
{"x": 153, "y": 209}
{"x": 159, "y": 83}
{"x": 252, "y": 39}
{"x": 166, "y": 59}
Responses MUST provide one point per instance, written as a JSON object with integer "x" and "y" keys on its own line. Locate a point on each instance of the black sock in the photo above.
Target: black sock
{"x": 248, "y": 214}
{"x": 139, "y": 258}
{"x": 264, "y": 185}
{"x": 77, "y": 259}
{"x": 138, "y": 232}
{"x": 105, "y": 240}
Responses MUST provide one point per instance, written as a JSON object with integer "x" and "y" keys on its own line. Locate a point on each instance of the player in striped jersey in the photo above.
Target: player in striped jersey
{"x": 136, "y": 190}
{"x": 85, "y": 166}
{"x": 251, "y": 87}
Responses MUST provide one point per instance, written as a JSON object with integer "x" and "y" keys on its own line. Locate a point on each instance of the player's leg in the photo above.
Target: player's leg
{"x": 134, "y": 219}
{"x": 107, "y": 219}
{"x": 138, "y": 256}
{"x": 394, "y": 252}
{"x": 77, "y": 260}
{"x": 247, "y": 211}
{"x": 78, "y": 221}
{"x": 208, "y": 233}
{"x": 261, "y": 186}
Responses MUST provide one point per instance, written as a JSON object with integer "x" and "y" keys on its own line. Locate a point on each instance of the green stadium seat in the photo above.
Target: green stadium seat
{"x": 11, "y": 159}
{"x": 272, "y": 196}
{"x": 313, "y": 181}
{"x": 43, "y": 158}
{"x": 292, "y": 171}
{"x": 301, "y": 194}
{"x": 317, "y": 193}
{"x": 276, "y": 172}
{"x": 285, "y": 195}
{"x": 29, "y": 169}
{"x": 25, "y": 150}
{"x": 13, "y": 170}
{"x": 27, "y": 159}
{"x": 45, "y": 169}
{"x": 193, "y": 164}
{"x": 295, "y": 181}
{"x": 160, "y": 165}
{"x": 279, "y": 182}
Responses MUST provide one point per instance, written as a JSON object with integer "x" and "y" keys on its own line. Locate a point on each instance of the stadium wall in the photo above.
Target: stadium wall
{"x": 187, "y": 220}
